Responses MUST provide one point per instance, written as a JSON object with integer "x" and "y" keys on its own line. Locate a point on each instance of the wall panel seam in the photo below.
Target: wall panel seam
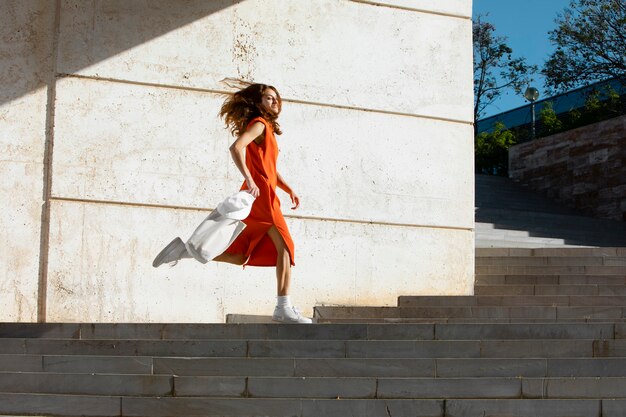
{"x": 411, "y": 9}
{"x": 286, "y": 100}
{"x": 288, "y": 216}
{"x": 44, "y": 235}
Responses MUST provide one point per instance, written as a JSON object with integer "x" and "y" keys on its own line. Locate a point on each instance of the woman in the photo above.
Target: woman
{"x": 251, "y": 114}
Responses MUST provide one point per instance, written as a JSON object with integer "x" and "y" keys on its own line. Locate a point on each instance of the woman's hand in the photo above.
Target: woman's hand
{"x": 295, "y": 200}
{"x": 252, "y": 188}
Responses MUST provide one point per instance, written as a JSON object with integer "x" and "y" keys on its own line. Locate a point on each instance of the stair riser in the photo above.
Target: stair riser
{"x": 20, "y": 404}
{"x": 542, "y": 312}
{"x": 551, "y": 252}
{"x": 436, "y": 367}
{"x": 444, "y": 320}
{"x": 323, "y": 388}
{"x": 550, "y": 270}
{"x": 606, "y": 280}
{"x": 351, "y": 349}
{"x": 88, "y": 360}
{"x": 551, "y": 261}
{"x": 511, "y": 301}
{"x": 604, "y": 290}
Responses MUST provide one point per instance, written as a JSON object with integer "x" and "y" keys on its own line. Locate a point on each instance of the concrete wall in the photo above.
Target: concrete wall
{"x": 584, "y": 168}
{"x": 378, "y": 143}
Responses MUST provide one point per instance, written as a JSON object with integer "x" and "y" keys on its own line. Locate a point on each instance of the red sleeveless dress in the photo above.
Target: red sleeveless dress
{"x": 254, "y": 242}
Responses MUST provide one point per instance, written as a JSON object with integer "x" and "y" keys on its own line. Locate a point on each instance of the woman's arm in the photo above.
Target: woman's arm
{"x": 282, "y": 184}
{"x": 237, "y": 151}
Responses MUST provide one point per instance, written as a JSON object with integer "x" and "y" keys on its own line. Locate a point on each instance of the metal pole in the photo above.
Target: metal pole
{"x": 532, "y": 111}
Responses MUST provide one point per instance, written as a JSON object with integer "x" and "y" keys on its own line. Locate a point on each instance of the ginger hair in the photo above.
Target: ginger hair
{"x": 241, "y": 107}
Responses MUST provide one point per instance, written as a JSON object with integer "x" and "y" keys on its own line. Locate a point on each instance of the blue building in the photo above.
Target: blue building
{"x": 562, "y": 103}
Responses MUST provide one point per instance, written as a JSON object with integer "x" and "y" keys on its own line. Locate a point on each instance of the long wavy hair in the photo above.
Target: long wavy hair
{"x": 241, "y": 107}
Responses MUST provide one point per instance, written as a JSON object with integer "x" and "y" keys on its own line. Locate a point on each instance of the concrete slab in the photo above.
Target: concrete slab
{"x": 491, "y": 367}
{"x": 413, "y": 349}
{"x": 224, "y": 366}
{"x": 586, "y": 367}
{"x": 83, "y": 384}
{"x": 223, "y": 348}
{"x": 523, "y": 408}
{"x": 209, "y": 386}
{"x": 196, "y": 407}
{"x": 84, "y": 364}
{"x": 445, "y": 388}
{"x": 66, "y": 405}
{"x": 297, "y": 348}
{"x": 372, "y": 408}
{"x": 372, "y": 367}
{"x": 311, "y": 387}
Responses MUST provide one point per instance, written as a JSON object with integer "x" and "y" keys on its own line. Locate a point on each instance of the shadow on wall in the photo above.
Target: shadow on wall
{"x": 28, "y": 27}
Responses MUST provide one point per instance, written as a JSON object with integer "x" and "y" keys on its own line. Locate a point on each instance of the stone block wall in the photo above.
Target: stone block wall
{"x": 111, "y": 146}
{"x": 584, "y": 168}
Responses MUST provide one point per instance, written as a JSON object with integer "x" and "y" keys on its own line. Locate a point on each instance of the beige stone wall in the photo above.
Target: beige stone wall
{"x": 26, "y": 34}
{"x": 584, "y": 168}
{"x": 378, "y": 144}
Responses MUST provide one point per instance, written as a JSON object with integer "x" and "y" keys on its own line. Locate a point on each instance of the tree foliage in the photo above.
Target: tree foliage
{"x": 548, "y": 120}
{"x": 590, "y": 41}
{"x": 491, "y": 150}
{"x": 495, "y": 68}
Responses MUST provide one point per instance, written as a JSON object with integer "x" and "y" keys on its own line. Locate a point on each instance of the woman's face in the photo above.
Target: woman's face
{"x": 269, "y": 101}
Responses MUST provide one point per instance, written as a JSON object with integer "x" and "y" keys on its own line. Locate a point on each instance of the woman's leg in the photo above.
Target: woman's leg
{"x": 284, "y": 311}
{"x": 283, "y": 262}
{"x": 231, "y": 258}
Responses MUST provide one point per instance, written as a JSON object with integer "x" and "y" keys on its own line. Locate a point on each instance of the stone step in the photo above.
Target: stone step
{"x": 610, "y": 280}
{"x": 549, "y": 270}
{"x": 423, "y": 367}
{"x": 144, "y": 365}
{"x": 69, "y": 405}
{"x": 484, "y": 240}
{"x": 533, "y": 408}
{"x": 79, "y": 405}
{"x": 512, "y": 300}
{"x": 239, "y": 342}
{"x": 439, "y": 320}
{"x": 485, "y": 312}
{"x": 546, "y": 224}
{"x": 528, "y": 218}
{"x": 568, "y": 233}
{"x": 438, "y": 387}
{"x": 78, "y": 356}
{"x": 406, "y": 362}
{"x": 559, "y": 252}
{"x": 102, "y": 335}
{"x": 551, "y": 260}
{"x": 550, "y": 290}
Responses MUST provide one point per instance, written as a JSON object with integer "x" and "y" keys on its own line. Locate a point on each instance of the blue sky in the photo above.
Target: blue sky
{"x": 526, "y": 24}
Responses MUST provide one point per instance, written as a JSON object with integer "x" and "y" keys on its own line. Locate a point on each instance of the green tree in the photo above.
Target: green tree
{"x": 492, "y": 150}
{"x": 590, "y": 41}
{"x": 548, "y": 120}
{"x": 600, "y": 106}
{"x": 495, "y": 68}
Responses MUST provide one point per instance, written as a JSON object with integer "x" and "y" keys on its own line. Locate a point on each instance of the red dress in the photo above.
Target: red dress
{"x": 254, "y": 242}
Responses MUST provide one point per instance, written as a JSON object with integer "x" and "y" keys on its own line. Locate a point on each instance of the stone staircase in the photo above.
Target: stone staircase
{"x": 510, "y": 215}
{"x": 545, "y": 335}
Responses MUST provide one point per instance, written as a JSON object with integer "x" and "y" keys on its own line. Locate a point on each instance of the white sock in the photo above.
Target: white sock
{"x": 283, "y": 301}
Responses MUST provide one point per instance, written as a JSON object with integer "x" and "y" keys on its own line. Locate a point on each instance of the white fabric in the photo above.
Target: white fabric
{"x": 218, "y": 231}
{"x": 237, "y": 206}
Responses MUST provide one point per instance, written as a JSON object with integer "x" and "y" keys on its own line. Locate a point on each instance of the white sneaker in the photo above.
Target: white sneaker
{"x": 289, "y": 315}
{"x": 172, "y": 253}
